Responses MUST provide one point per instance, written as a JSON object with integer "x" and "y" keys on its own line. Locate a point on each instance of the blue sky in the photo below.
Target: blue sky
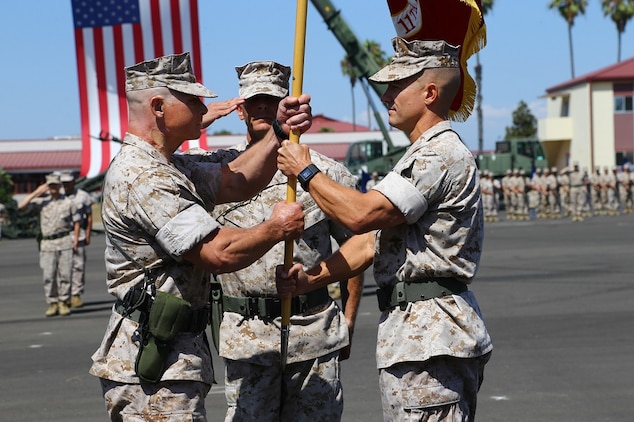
{"x": 527, "y": 52}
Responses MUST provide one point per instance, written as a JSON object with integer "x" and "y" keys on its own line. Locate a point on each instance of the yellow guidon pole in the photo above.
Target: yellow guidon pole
{"x": 291, "y": 185}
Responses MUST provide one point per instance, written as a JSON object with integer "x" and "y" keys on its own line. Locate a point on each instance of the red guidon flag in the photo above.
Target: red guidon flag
{"x": 459, "y": 22}
{"x": 109, "y": 36}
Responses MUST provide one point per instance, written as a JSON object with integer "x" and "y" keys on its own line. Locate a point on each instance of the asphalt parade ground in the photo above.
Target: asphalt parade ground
{"x": 557, "y": 296}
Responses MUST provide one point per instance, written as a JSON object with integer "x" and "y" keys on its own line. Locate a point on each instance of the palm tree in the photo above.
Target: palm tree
{"x": 377, "y": 53}
{"x": 569, "y": 9}
{"x": 348, "y": 70}
{"x": 620, "y": 11}
{"x": 487, "y": 5}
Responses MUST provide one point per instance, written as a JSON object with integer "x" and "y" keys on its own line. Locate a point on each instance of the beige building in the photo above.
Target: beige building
{"x": 590, "y": 119}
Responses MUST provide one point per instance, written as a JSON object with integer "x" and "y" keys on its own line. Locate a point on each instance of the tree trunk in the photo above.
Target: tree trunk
{"x": 572, "y": 61}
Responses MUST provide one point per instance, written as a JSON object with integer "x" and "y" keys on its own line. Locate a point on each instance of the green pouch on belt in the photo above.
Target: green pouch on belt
{"x": 169, "y": 315}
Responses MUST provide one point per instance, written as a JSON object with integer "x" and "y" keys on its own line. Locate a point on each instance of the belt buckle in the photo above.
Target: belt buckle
{"x": 252, "y": 307}
{"x": 268, "y": 307}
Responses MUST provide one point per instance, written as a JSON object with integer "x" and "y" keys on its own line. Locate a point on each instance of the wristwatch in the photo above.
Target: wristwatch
{"x": 305, "y": 175}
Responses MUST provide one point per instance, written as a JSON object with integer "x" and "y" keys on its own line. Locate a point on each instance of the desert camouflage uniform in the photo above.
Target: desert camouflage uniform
{"x": 610, "y": 198}
{"x": 563, "y": 180}
{"x": 83, "y": 202}
{"x": 578, "y": 192}
{"x": 309, "y": 389}
{"x": 553, "y": 207}
{"x": 156, "y": 211}
{"x": 56, "y": 255}
{"x": 596, "y": 192}
{"x": 506, "y": 192}
{"x": 628, "y": 181}
{"x": 442, "y": 237}
{"x": 488, "y": 196}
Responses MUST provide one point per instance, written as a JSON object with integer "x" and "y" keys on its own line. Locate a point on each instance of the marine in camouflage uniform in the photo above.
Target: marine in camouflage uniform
{"x": 59, "y": 226}
{"x": 506, "y": 192}
{"x": 256, "y": 387}
{"x": 563, "y": 180}
{"x": 628, "y": 181}
{"x": 160, "y": 236}
{"x": 578, "y": 192}
{"x": 432, "y": 343}
{"x": 83, "y": 202}
{"x": 553, "y": 209}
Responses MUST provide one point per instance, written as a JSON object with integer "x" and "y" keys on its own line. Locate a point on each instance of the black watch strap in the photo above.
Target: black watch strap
{"x": 279, "y": 132}
{"x": 305, "y": 175}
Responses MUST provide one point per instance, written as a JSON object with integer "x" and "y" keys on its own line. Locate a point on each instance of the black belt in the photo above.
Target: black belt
{"x": 414, "y": 291}
{"x": 198, "y": 319}
{"x": 271, "y": 308}
{"x": 56, "y": 236}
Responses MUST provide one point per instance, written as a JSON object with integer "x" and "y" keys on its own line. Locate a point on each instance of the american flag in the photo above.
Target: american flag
{"x": 113, "y": 34}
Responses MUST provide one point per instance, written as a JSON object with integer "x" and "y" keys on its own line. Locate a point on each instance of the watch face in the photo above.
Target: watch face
{"x": 305, "y": 173}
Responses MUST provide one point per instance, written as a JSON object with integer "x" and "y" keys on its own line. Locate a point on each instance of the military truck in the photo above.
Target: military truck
{"x": 515, "y": 153}
{"x": 370, "y": 155}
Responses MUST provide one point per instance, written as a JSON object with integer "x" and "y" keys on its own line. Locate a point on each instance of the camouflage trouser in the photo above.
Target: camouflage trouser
{"x": 174, "y": 401}
{"x": 56, "y": 271}
{"x": 79, "y": 266}
{"x": 307, "y": 391}
{"x": 577, "y": 199}
{"x": 442, "y": 388}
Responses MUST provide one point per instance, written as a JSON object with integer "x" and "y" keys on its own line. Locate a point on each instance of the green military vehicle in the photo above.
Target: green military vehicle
{"x": 516, "y": 153}
{"x": 368, "y": 155}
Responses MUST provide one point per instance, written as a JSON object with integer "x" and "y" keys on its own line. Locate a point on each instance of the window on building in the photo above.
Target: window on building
{"x": 623, "y": 104}
{"x": 565, "y": 107}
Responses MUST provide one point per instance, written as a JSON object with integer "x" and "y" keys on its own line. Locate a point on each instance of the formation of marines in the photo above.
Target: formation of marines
{"x": 558, "y": 193}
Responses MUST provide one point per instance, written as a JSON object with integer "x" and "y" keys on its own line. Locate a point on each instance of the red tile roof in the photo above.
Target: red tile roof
{"x": 322, "y": 122}
{"x": 622, "y": 71}
{"x": 44, "y": 160}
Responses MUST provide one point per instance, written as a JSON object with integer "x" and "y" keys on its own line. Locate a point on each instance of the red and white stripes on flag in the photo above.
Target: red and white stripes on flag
{"x": 109, "y": 36}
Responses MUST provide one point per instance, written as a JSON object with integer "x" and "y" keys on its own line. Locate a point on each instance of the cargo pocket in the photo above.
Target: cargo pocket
{"x": 434, "y": 394}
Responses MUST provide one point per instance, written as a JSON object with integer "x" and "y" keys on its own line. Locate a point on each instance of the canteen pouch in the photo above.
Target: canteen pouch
{"x": 150, "y": 362}
{"x": 169, "y": 315}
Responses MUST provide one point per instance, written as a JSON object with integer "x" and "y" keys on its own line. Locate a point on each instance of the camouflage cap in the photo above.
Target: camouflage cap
{"x": 173, "y": 71}
{"x": 412, "y": 57}
{"x": 266, "y": 77}
{"x": 53, "y": 179}
{"x": 67, "y": 177}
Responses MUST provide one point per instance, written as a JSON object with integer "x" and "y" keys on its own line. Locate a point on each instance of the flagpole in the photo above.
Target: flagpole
{"x": 291, "y": 185}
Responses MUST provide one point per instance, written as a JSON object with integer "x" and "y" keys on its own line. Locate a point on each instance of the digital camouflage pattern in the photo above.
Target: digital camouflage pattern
{"x": 155, "y": 213}
{"x": 83, "y": 202}
{"x": 412, "y": 57}
{"x": 313, "y": 334}
{"x": 173, "y": 71}
{"x": 263, "y": 78}
{"x": 56, "y": 216}
{"x": 436, "y": 186}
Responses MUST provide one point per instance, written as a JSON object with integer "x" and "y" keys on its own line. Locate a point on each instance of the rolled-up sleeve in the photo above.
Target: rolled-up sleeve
{"x": 185, "y": 230}
{"x": 404, "y": 195}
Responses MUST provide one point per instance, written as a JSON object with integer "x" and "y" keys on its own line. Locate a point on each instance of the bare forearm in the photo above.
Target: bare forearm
{"x": 231, "y": 249}
{"x": 250, "y": 172}
{"x": 350, "y": 260}
{"x": 351, "y": 292}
